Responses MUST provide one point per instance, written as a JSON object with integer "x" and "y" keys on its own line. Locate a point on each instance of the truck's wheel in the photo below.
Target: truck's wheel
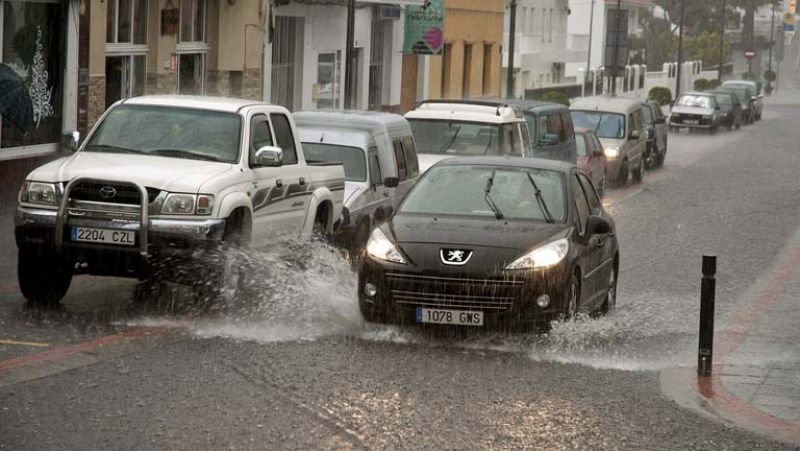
{"x": 228, "y": 276}
{"x": 44, "y": 277}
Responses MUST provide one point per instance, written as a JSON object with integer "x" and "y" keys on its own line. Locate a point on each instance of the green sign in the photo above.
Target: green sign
{"x": 424, "y": 31}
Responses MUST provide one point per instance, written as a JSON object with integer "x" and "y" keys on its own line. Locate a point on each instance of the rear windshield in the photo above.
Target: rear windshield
{"x": 433, "y": 136}
{"x": 604, "y": 125}
{"x": 352, "y": 158}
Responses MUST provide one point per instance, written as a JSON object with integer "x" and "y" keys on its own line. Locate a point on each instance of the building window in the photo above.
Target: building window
{"x": 467, "y": 80}
{"x": 126, "y": 22}
{"x": 550, "y": 27}
{"x": 329, "y": 73}
{"x": 125, "y": 77}
{"x": 487, "y": 68}
{"x": 376, "y": 55}
{"x": 32, "y": 44}
{"x": 191, "y": 73}
{"x": 446, "y": 58}
{"x": 193, "y": 21}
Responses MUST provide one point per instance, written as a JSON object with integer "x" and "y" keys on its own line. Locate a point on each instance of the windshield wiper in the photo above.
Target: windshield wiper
{"x": 488, "y": 197}
{"x": 107, "y": 148}
{"x": 540, "y": 199}
{"x": 452, "y": 140}
{"x": 178, "y": 153}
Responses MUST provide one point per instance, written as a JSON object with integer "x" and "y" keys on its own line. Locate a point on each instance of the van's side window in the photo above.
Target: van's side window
{"x": 285, "y": 138}
{"x": 568, "y": 129}
{"x": 544, "y": 127}
{"x": 412, "y": 164}
{"x": 557, "y": 127}
{"x": 375, "y": 176}
{"x": 631, "y": 125}
{"x": 400, "y": 158}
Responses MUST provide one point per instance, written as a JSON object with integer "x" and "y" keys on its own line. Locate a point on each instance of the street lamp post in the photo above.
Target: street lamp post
{"x": 348, "y": 55}
{"x": 614, "y": 65}
{"x": 721, "y": 41}
{"x": 591, "y": 28}
{"x": 771, "y": 43}
{"x": 512, "y": 31}
{"x": 680, "y": 54}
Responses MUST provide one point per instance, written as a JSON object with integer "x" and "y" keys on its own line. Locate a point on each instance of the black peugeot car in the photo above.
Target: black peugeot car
{"x": 492, "y": 241}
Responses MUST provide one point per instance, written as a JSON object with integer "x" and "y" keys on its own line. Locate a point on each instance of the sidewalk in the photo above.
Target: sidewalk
{"x": 756, "y": 377}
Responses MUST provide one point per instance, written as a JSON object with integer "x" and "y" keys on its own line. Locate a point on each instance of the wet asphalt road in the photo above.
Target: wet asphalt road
{"x": 299, "y": 370}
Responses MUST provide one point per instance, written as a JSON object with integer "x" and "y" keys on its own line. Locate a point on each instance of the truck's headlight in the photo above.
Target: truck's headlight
{"x": 612, "y": 152}
{"x": 545, "y": 256}
{"x": 381, "y": 248}
{"x": 179, "y": 204}
{"x": 38, "y": 193}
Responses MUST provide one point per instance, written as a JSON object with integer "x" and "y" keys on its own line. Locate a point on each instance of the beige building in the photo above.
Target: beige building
{"x": 470, "y": 65}
{"x": 207, "y": 47}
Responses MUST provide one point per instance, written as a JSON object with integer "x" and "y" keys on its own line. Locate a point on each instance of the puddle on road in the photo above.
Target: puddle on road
{"x": 289, "y": 301}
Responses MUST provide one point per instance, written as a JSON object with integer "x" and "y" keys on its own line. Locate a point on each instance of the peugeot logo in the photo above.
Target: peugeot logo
{"x": 455, "y": 257}
{"x": 108, "y": 192}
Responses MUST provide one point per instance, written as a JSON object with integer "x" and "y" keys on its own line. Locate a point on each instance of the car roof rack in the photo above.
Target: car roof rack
{"x": 490, "y": 103}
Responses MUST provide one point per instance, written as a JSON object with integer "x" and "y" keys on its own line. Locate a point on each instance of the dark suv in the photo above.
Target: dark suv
{"x": 551, "y": 129}
{"x": 655, "y": 123}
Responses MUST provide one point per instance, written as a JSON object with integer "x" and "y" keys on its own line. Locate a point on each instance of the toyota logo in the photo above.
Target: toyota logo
{"x": 455, "y": 257}
{"x": 108, "y": 192}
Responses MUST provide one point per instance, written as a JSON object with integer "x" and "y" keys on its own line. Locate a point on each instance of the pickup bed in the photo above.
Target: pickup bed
{"x": 162, "y": 187}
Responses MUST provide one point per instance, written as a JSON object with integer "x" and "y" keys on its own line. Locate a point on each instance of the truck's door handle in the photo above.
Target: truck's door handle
{"x": 302, "y": 181}
{"x": 279, "y": 183}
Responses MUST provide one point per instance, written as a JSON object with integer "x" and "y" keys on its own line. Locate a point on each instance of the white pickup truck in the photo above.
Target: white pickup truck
{"x": 161, "y": 185}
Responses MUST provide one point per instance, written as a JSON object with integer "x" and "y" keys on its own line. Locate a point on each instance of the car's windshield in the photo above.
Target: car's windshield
{"x": 170, "y": 132}
{"x": 697, "y": 101}
{"x": 465, "y": 138}
{"x": 353, "y": 158}
{"x": 723, "y": 99}
{"x": 580, "y": 144}
{"x": 604, "y": 125}
{"x": 461, "y": 190}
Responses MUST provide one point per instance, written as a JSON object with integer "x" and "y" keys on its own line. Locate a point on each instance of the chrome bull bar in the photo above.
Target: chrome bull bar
{"x": 64, "y": 207}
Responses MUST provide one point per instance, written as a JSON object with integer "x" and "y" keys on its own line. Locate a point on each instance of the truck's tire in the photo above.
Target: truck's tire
{"x": 226, "y": 280}
{"x": 44, "y": 277}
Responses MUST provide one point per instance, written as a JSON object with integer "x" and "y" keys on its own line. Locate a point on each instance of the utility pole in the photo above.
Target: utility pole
{"x": 615, "y": 64}
{"x": 349, "y": 70}
{"x": 512, "y": 31}
{"x": 752, "y": 49}
{"x": 721, "y": 41}
{"x": 680, "y": 54}
{"x": 591, "y": 25}
{"x": 771, "y": 43}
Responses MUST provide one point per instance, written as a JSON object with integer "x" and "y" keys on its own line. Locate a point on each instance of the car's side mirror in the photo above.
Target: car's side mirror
{"x": 383, "y": 213}
{"x": 72, "y": 140}
{"x": 549, "y": 139}
{"x": 597, "y": 225}
{"x": 269, "y": 156}
{"x": 598, "y": 153}
{"x": 635, "y": 134}
{"x": 391, "y": 182}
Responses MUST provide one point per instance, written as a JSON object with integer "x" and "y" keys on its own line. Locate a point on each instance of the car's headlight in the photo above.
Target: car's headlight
{"x": 612, "y": 152}
{"x": 381, "y": 248}
{"x": 179, "y": 204}
{"x": 38, "y": 193}
{"x": 543, "y": 256}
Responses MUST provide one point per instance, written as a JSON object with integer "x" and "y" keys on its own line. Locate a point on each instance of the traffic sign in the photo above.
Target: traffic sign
{"x": 749, "y": 54}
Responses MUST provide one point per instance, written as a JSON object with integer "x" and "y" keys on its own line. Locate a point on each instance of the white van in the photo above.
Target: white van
{"x": 380, "y": 162}
{"x": 449, "y": 128}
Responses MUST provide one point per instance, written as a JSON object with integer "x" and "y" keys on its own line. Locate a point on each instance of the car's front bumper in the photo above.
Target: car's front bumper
{"x": 702, "y": 122}
{"x": 505, "y": 299}
{"x": 167, "y": 240}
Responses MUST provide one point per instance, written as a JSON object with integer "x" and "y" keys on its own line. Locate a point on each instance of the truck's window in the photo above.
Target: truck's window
{"x": 511, "y": 140}
{"x": 285, "y": 138}
{"x": 171, "y": 132}
{"x": 260, "y": 136}
{"x": 400, "y": 158}
{"x": 412, "y": 164}
{"x": 568, "y": 129}
{"x": 352, "y": 158}
{"x": 544, "y": 127}
{"x": 557, "y": 127}
{"x": 375, "y": 175}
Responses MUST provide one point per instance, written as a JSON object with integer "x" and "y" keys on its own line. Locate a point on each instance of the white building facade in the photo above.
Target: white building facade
{"x": 540, "y": 44}
{"x": 586, "y": 14}
{"x": 307, "y": 54}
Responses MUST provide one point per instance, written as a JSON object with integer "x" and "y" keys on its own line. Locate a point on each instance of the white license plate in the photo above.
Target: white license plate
{"x": 107, "y": 236}
{"x": 692, "y": 122}
{"x": 456, "y": 317}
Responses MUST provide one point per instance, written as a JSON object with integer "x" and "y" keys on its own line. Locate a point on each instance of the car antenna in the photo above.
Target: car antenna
{"x": 322, "y": 138}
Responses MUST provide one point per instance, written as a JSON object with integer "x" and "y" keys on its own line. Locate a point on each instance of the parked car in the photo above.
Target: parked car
{"x": 656, "y": 126}
{"x": 448, "y": 128}
{"x": 551, "y": 129}
{"x": 696, "y": 110}
{"x": 591, "y": 158}
{"x": 160, "y": 185}
{"x": 749, "y": 92}
{"x": 380, "y": 163}
{"x": 492, "y": 241}
{"x": 730, "y": 108}
{"x": 619, "y": 124}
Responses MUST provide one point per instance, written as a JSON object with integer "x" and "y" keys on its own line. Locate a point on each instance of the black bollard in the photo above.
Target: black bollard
{"x": 705, "y": 355}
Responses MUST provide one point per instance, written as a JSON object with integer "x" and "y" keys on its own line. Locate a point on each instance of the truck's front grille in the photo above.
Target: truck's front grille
{"x": 110, "y": 193}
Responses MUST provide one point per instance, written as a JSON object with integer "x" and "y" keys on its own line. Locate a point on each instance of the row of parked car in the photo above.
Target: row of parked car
{"x": 735, "y": 103}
